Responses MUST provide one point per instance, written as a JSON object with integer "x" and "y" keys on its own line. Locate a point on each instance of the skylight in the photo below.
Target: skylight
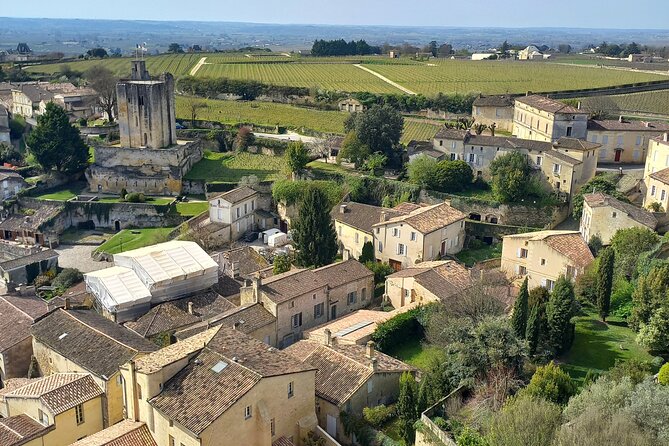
{"x": 220, "y": 365}
{"x": 61, "y": 337}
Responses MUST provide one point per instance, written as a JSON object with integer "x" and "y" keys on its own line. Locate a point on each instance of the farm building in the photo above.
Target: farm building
{"x": 496, "y": 110}
{"x": 351, "y": 105}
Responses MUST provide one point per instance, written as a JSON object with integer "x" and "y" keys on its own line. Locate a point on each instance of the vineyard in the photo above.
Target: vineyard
{"x": 649, "y": 101}
{"x": 419, "y": 131}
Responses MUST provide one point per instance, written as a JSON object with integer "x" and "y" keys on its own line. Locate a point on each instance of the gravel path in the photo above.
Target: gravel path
{"x": 385, "y": 79}
{"x": 79, "y": 256}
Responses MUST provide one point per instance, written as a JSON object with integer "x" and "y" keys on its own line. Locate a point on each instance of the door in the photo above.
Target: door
{"x": 443, "y": 248}
{"x": 394, "y": 264}
{"x": 333, "y": 312}
{"x": 618, "y": 153}
{"x": 332, "y": 426}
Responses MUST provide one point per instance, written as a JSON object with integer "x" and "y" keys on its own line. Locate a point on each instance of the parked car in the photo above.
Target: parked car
{"x": 251, "y": 236}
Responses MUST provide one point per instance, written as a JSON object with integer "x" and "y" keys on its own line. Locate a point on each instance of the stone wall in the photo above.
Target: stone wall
{"x": 490, "y": 231}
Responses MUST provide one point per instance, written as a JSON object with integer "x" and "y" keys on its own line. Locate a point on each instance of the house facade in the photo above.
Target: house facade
{"x": 351, "y": 105}
{"x": 544, "y": 256}
{"x": 624, "y": 141}
{"x": 4, "y": 126}
{"x": 604, "y": 215}
{"x": 657, "y": 158}
{"x": 543, "y": 119}
{"x": 497, "y": 110}
{"x": 657, "y": 192}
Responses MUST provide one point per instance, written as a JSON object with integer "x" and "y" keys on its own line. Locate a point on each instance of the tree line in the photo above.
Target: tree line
{"x": 247, "y": 90}
{"x": 342, "y": 48}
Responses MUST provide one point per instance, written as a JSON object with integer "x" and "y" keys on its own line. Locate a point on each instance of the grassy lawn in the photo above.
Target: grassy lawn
{"x": 231, "y": 167}
{"x": 598, "y": 345}
{"x": 129, "y": 239}
{"x": 392, "y": 429}
{"x": 149, "y": 200}
{"x": 472, "y": 256}
{"x": 63, "y": 193}
{"x": 416, "y": 353}
{"x": 192, "y": 209}
{"x": 331, "y": 168}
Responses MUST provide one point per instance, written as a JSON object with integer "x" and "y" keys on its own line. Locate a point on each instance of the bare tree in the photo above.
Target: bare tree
{"x": 103, "y": 81}
{"x": 194, "y": 105}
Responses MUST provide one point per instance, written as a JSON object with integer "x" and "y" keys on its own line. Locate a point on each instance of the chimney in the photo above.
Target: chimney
{"x": 132, "y": 390}
{"x": 665, "y": 137}
{"x": 369, "y": 349}
{"x": 373, "y": 364}
{"x": 620, "y": 118}
{"x": 578, "y": 105}
{"x": 646, "y": 123}
{"x": 67, "y": 303}
{"x": 235, "y": 269}
{"x": 190, "y": 307}
{"x": 255, "y": 280}
{"x": 384, "y": 216}
{"x": 327, "y": 337}
{"x": 342, "y": 208}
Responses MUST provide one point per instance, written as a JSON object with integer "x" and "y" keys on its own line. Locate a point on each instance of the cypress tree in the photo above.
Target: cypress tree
{"x": 313, "y": 231}
{"x": 605, "y": 282}
{"x": 407, "y": 407}
{"x": 367, "y": 254}
{"x": 519, "y": 317}
{"x": 533, "y": 329}
{"x": 559, "y": 311}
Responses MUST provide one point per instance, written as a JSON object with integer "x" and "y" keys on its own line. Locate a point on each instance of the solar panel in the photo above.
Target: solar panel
{"x": 352, "y": 328}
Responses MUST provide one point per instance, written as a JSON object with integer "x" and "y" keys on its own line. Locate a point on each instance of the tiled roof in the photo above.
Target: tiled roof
{"x": 342, "y": 273}
{"x": 429, "y": 219}
{"x": 200, "y": 393}
{"x": 406, "y": 207}
{"x": 96, "y": 344}
{"x": 640, "y": 215}
{"x": 661, "y": 175}
{"x": 618, "y": 125}
{"x": 40, "y": 215}
{"x": 125, "y": 433}
{"x": 162, "y": 318}
{"x": 154, "y": 362}
{"x": 247, "y": 259}
{"x": 21, "y": 429}
{"x": 14, "y": 325}
{"x": 60, "y": 392}
{"x": 574, "y": 144}
{"x": 494, "y": 101}
{"x": 562, "y": 157}
{"x": 246, "y": 318}
{"x": 33, "y": 306}
{"x": 548, "y": 104}
{"x": 283, "y": 441}
{"x": 443, "y": 279}
{"x": 506, "y": 142}
{"x": 288, "y": 285}
{"x": 20, "y": 262}
{"x": 35, "y": 93}
{"x": 568, "y": 243}
{"x": 342, "y": 369}
{"x": 361, "y": 216}
{"x": 236, "y": 195}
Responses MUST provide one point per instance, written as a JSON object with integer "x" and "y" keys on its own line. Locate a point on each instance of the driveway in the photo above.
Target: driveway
{"x": 290, "y": 136}
{"x": 79, "y": 257}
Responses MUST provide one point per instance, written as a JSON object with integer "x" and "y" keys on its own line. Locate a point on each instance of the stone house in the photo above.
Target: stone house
{"x": 350, "y": 286}
{"x": 11, "y": 183}
{"x": 81, "y": 341}
{"x": 543, "y": 119}
{"x": 125, "y": 433}
{"x": 240, "y": 263}
{"x": 623, "y": 141}
{"x": 603, "y": 215}
{"x": 240, "y": 210}
{"x": 422, "y": 233}
{"x": 70, "y": 402}
{"x": 496, "y": 110}
{"x": 26, "y": 100}
{"x": 417, "y": 149}
{"x": 658, "y": 189}
{"x": 351, "y": 105}
{"x": 21, "y": 430}
{"x": 4, "y": 126}
{"x": 18, "y": 314}
{"x": 544, "y": 256}
{"x": 656, "y": 160}
{"x": 23, "y": 269}
{"x": 34, "y": 227}
{"x": 348, "y": 379}
{"x": 426, "y": 282}
{"x": 354, "y": 225}
{"x": 530, "y": 52}
{"x": 218, "y": 388}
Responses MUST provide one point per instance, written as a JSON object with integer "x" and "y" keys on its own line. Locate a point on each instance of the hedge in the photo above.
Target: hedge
{"x": 399, "y": 329}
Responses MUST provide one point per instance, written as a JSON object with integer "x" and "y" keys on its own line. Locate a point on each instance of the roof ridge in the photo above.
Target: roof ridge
{"x": 17, "y": 308}
{"x": 102, "y": 333}
{"x": 231, "y": 360}
{"x": 21, "y": 436}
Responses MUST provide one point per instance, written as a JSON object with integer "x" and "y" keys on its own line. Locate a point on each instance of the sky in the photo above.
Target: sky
{"x": 615, "y": 14}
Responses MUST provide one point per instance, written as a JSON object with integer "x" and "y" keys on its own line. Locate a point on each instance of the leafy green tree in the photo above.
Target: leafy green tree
{"x": 56, "y": 144}
{"x": 380, "y": 129}
{"x": 524, "y": 420}
{"x": 282, "y": 263}
{"x": 595, "y": 244}
{"x": 367, "y": 254}
{"x": 353, "y": 149}
{"x": 469, "y": 437}
{"x": 519, "y": 317}
{"x": 422, "y": 171}
{"x": 654, "y": 335}
{"x": 175, "y": 48}
{"x": 9, "y": 155}
{"x": 510, "y": 177}
{"x": 375, "y": 163}
{"x": 243, "y": 139}
{"x": 452, "y": 176}
{"x": 605, "y": 282}
{"x": 586, "y": 284}
{"x": 628, "y": 245}
{"x": 551, "y": 383}
{"x": 532, "y": 331}
{"x": 407, "y": 408}
{"x": 559, "y": 311}
{"x": 649, "y": 295}
{"x": 380, "y": 270}
{"x": 297, "y": 156}
{"x": 633, "y": 369}
{"x": 663, "y": 375}
{"x": 99, "y": 53}
{"x": 313, "y": 231}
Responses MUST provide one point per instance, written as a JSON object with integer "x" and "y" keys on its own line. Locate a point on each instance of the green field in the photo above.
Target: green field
{"x": 649, "y": 101}
{"x": 267, "y": 113}
{"x": 419, "y": 131}
{"x": 192, "y": 208}
{"x": 416, "y": 353}
{"x": 231, "y": 167}
{"x": 134, "y": 238}
{"x": 598, "y": 345}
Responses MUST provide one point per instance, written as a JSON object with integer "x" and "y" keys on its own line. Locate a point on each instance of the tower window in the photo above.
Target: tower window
{"x": 141, "y": 101}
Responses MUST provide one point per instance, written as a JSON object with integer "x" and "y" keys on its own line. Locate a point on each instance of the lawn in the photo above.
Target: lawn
{"x": 231, "y": 167}
{"x": 331, "y": 168}
{"x": 129, "y": 239}
{"x": 416, "y": 353}
{"x": 63, "y": 193}
{"x": 472, "y": 256}
{"x": 192, "y": 208}
{"x": 598, "y": 345}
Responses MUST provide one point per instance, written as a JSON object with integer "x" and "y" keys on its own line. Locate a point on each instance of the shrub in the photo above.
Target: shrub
{"x": 551, "y": 383}
{"x": 135, "y": 197}
{"x": 398, "y": 329}
{"x": 67, "y": 277}
{"x": 663, "y": 376}
{"x": 380, "y": 270}
{"x": 377, "y": 416}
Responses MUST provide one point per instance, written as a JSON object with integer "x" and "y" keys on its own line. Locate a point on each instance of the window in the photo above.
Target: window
{"x": 246, "y": 208}
{"x": 352, "y": 297}
{"x": 401, "y": 249}
{"x": 453, "y": 145}
{"x": 364, "y": 294}
{"x": 291, "y": 389}
{"x": 605, "y": 139}
{"x": 407, "y": 292}
{"x": 602, "y": 153}
{"x": 247, "y": 412}
{"x": 569, "y": 131}
{"x": 539, "y": 160}
{"x": 652, "y": 190}
{"x": 139, "y": 391}
{"x": 549, "y": 284}
{"x": 413, "y": 236}
{"x": 339, "y": 230}
{"x": 370, "y": 386}
{"x": 522, "y": 253}
{"x": 543, "y": 262}
{"x": 521, "y": 270}
{"x": 620, "y": 141}
{"x": 441, "y": 142}
{"x": 396, "y": 232}
{"x": 380, "y": 247}
{"x": 378, "y": 230}
{"x": 663, "y": 194}
{"x": 43, "y": 418}
{"x": 556, "y": 168}
{"x": 239, "y": 212}
{"x": 472, "y": 158}
{"x": 291, "y": 304}
{"x": 297, "y": 320}
{"x": 357, "y": 238}
{"x": 253, "y": 205}
{"x": 171, "y": 440}
{"x": 454, "y": 156}
{"x": 636, "y": 155}
{"x": 638, "y": 140}
{"x": 614, "y": 214}
{"x": 313, "y": 296}
{"x": 319, "y": 310}
{"x": 79, "y": 413}
{"x": 272, "y": 427}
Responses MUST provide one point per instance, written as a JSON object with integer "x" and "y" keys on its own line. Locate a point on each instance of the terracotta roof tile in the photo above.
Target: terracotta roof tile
{"x": 288, "y": 285}
{"x": 429, "y": 219}
{"x": 362, "y": 216}
{"x": 21, "y": 429}
{"x": 573, "y": 247}
{"x": 342, "y": 273}
{"x": 125, "y": 433}
{"x": 574, "y": 144}
{"x": 162, "y": 318}
{"x": 14, "y": 325}
{"x": 494, "y": 101}
{"x": 246, "y": 318}
{"x": 283, "y": 441}
{"x": 33, "y": 306}
{"x": 640, "y": 215}
{"x": 60, "y": 392}
{"x": 548, "y": 104}
{"x": 661, "y": 175}
{"x": 443, "y": 278}
{"x": 616, "y": 124}
{"x": 236, "y": 195}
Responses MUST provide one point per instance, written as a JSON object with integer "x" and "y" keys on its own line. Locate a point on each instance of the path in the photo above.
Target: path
{"x": 614, "y": 67}
{"x": 79, "y": 256}
{"x": 386, "y": 80}
{"x": 197, "y": 66}
{"x": 290, "y": 136}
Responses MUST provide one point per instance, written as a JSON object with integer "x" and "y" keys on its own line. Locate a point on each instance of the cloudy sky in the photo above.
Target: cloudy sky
{"x": 637, "y": 14}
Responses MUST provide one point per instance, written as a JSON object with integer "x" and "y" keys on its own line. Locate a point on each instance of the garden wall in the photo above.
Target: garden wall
{"x": 482, "y": 231}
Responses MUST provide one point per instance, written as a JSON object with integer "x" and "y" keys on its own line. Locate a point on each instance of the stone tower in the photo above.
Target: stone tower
{"x": 146, "y": 113}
